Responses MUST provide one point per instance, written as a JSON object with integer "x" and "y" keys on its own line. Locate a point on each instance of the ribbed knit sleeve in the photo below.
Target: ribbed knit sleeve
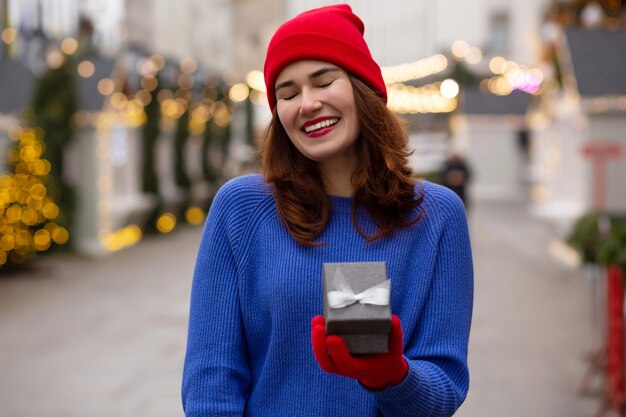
{"x": 216, "y": 375}
{"x": 436, "y": 350}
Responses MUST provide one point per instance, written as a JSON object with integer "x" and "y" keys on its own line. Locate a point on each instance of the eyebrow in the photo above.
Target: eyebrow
{"x": 312, "y": 75}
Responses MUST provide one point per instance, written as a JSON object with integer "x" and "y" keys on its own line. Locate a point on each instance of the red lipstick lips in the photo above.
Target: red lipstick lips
{"x": 320, "y": 126}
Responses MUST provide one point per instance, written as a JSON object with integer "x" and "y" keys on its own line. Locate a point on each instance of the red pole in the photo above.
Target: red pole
{"x": 599, "y": 179}
{"x": 615, "y": 336}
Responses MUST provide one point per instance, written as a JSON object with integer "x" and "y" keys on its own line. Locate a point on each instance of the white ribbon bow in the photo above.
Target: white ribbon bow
{"x": 344, "y": 296}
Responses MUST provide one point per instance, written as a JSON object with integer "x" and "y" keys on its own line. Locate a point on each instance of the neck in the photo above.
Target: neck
{"x": 337, "y": 176}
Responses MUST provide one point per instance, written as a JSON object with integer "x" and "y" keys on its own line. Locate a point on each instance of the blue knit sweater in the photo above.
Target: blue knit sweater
{"x": 255, "y": 291}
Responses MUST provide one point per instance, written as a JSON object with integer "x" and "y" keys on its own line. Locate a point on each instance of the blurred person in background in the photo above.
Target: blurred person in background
{"x": 335, "y": 187}
{"x": 456, "y": 175}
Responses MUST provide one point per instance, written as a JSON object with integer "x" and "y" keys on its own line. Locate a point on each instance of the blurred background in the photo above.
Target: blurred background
{"x": 120, "y": 119}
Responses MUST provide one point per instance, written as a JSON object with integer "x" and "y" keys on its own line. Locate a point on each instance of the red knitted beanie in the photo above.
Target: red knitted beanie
{"x": 333, "y": 34}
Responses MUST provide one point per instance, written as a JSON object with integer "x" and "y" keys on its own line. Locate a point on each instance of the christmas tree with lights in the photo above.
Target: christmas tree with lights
{"x": 28, "y": 213}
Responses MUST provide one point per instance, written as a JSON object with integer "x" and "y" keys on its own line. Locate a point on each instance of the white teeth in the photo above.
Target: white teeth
{"x": 316, "y": 126}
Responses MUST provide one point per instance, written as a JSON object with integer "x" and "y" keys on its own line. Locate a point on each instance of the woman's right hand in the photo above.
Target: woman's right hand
{"x": 374, "y": 371}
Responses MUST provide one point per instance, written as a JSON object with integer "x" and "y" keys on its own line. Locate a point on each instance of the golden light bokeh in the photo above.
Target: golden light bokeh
{"x": 144, "y": 96}
{"x": 194, "y": 215}
{"x": 497, "y": 64}
{"x": 50, "y": 211}
{"x": 158, "y": 61}
{"x": 188, "y": 65}
{"x": 460, "y": 48}
{"x": 55, "y": 59}
{"x": 238, "y": 92}
{"x": 164, "y": 95}
{"x": 118, "y": 101}
{"x": 185, "y": 81}
{"x": 69, "y": 46}
{"x": 474, "y": 56}
{"x": 9, "y": 35}
{"x": 256, "y": 81}
{"x": 415, "y": 70}
{"x": 412, "y": 100}
{"x": 449, "y": 88}
{"x": 86, "y": 69}
{"x": 166, "y": 223}
{"x": 42, "y": 240}
{"x": 30, "y": 217}
{"x": 41, "y": 167}
{"x": 13, "y": 214}
{"x": 149, "y": 83}
{"x": 7, "y": 242}
{"x": 34, "y": 202}
{"x": 106, "y": 86}
{"x": 60, "y": 236}
{"x": 122, "y": 238}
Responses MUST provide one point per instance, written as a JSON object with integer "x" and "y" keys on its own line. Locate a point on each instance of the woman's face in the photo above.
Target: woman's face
{"x": 315, "y": 104}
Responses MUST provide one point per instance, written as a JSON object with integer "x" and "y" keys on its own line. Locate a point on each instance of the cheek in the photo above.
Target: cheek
{"x": 345, "y": 103}
{"x": 286, "y": 115}
{"x": 354, "y": 118}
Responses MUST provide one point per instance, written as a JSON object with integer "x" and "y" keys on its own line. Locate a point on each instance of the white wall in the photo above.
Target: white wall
{"x": 497, "y": 165}
{"x": 559, "y": 174}
{"x": 200, "y": 29}
{"x": 255, "y": 21}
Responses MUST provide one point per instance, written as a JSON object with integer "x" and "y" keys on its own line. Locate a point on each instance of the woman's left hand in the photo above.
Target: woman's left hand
{"x": 373, "y": 371}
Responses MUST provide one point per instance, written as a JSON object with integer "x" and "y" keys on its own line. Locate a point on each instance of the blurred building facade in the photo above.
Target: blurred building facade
{"x": 407, "y": 30}
{"x": 578, "y": 123}
{"x": 233, "y": 35}
{"x": 254, "y": 22}
{"x": 201, "y": 29}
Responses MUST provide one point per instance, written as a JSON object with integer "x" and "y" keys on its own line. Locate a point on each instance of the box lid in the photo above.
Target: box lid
{"x": 359, "y": 317}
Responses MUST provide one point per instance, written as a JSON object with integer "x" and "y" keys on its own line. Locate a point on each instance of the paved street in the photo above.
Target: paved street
{"x": 532, "y": 325}
{"x": 105, "y": 338}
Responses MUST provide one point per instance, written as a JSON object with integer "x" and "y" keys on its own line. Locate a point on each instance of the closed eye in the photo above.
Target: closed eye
{"x": 326, "y": 83}
{"x": 287, "y": 97}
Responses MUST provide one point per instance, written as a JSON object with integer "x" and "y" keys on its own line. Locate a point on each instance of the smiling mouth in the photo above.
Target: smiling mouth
{"x": 321, "y": 125}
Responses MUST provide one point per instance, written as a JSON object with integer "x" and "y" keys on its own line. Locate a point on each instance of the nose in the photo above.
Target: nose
{"x": 310, "y": 102}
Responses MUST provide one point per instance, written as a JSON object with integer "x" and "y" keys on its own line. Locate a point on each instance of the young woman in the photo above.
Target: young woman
{"x": 335, "y": 188}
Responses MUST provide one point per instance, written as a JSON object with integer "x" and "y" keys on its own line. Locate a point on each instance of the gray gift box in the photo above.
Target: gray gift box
{"x": 356, "y": 305}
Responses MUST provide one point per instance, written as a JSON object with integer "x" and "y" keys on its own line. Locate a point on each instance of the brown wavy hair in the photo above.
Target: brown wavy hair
{"x": 382, "y": 180}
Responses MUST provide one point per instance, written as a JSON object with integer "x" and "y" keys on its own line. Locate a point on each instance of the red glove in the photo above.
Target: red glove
{"x": 374, "y": 371}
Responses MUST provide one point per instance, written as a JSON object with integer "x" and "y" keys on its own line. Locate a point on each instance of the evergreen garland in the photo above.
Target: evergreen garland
{"x": 209, "y": 173}
{"x": 250, "y": 139}
{"x": 180, "y": 173}
{"x": 180, "y": 141}
{"x": 216, "y": 136}
{"x": 585, "y": 237}
{"x": 225, "y": 137}
{"x": 151, "y": 133}
{"x": 613, "y": 250}
{"x": 596, "y": 245}
{"x": 54, "y": 105}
